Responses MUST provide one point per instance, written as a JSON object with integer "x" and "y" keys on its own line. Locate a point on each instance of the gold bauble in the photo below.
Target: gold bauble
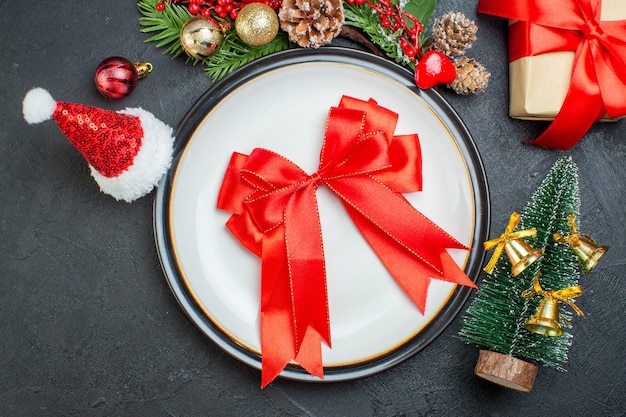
{"x": 256, "y": 24}
{"x": 200, "y": 37}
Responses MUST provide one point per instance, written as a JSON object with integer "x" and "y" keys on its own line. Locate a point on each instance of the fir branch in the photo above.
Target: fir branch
{"x": 167, "y": 22}
{"x": 363, "y": 17}
{"x": 233, "y": 54}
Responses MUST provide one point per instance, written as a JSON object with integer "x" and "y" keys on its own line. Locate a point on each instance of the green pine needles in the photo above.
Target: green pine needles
{"x": 364, "y": 17}
{"x": 167, "y": 23}
{"x": 495, "y": 319}
{"x": 231, "y": 54}
{"x": 165, "y": 27}
{"x": 234, "y": 54}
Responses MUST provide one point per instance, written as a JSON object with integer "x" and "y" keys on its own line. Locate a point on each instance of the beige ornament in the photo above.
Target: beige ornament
{"x": 256, "y": 24}
{"x": 471, "y": 77}
{"x": 311, "y": 23}
{"x": 453, "y": 34}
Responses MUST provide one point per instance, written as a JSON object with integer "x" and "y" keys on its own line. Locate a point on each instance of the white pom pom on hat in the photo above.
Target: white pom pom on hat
{"x": 127, "y": 151}
{"x": 38, "y": 106}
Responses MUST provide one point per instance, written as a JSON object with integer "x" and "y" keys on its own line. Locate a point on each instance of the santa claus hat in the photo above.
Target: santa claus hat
{"x": 127, "y": 151}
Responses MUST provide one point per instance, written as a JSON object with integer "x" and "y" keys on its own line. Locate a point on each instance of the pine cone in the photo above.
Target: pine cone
{"x": 454, "y": 33}
{"x": 471, "y": 77}
{"x": 311, "y": 23}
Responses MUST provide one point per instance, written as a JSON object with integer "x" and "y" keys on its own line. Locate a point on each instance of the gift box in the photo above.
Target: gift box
{"x": 567, "y": 63}
{"x": 538, "y": 84}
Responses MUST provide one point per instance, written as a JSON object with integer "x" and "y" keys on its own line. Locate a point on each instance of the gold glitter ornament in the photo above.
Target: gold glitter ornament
{"x": 200, "y": 37}
{"x": 256, "y": 24}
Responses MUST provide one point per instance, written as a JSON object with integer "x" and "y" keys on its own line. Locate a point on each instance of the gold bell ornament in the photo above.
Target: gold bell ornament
{"x": 547, "y": 319}
{"x": 520, "y": 253}
{"x": 586, "y": 250}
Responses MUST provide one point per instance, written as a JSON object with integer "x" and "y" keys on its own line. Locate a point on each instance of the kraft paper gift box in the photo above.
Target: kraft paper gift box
{"x": 538, "y": 84}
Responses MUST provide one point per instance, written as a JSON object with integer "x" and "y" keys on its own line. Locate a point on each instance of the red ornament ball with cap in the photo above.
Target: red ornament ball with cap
{"x": 116, "y": 77}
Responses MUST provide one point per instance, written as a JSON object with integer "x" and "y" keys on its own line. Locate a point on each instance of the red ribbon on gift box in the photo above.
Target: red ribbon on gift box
{"x": 275, "y": 216}
{"x": 598, "y": 80}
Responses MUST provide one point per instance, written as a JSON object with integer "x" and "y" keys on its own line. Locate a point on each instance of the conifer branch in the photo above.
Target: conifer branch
{"x": 233, "y": 54}
{"x": 167, "y": 22}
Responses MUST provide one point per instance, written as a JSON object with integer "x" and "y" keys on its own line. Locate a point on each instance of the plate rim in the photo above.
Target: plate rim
{"x": 463, "y": 140}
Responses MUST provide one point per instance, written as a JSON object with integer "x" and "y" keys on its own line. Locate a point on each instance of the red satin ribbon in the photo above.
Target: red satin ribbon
{"x": 275, "y": 215}
{"x": 598, "y": 81}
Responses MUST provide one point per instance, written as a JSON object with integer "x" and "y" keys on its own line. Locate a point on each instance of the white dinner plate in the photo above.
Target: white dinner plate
{"x": 281, "y": 103}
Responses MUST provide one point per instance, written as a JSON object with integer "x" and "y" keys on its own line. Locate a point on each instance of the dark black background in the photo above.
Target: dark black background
{"x": 89, "y": 327}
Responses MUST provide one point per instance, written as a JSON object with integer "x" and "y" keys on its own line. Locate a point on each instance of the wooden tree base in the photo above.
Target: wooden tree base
{"x": 506, "y": 371}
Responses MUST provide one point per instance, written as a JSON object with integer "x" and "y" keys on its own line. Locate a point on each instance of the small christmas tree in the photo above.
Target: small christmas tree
{"x": 496, "y": 318}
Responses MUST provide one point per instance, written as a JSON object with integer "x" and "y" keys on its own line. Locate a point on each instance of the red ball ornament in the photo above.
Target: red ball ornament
{"x": 116, "y": 77}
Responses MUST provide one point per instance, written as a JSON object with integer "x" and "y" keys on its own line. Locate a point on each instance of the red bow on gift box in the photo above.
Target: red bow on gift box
{"x": 275, "y": 216}
{"x": 598, "y": 82}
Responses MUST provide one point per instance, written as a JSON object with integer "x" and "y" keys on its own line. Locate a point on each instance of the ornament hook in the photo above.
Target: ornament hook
{"x": 143, "y": 69}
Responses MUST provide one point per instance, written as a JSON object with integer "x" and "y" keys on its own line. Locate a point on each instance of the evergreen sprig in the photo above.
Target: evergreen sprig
{"x": 231, "y": 54}
{"x": 167, "y": 22}
{"x": 365, "y": 18}
{"x": 495, "y": 318}
{"x": 234, "y": 53}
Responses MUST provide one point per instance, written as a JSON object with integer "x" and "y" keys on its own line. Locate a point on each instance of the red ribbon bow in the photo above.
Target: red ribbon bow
{"x": 598, "y": 83}
{"x": 275, "y": 215}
